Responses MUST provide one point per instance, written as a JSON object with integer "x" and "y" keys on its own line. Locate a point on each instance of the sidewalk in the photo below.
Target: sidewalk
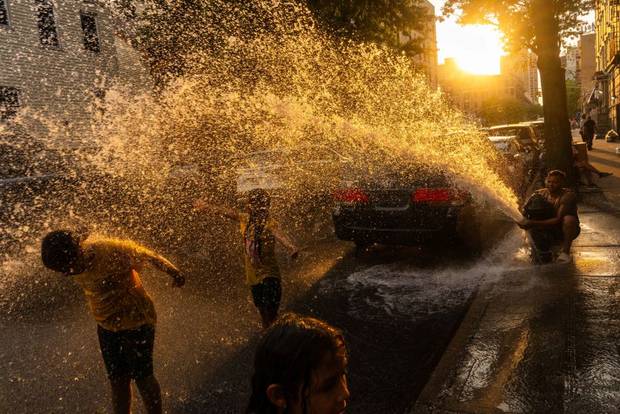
{"x": 544, "y": 339}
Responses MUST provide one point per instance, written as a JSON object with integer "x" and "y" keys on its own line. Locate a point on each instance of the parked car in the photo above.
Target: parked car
{"x": 528, "y": 146}
{"x": 519, "y": 163}
{"x": 270, "y": 170}
{"x": 539, "y": 130}
{"x": 524, "y": 133}
{"x": 419, "y": 208}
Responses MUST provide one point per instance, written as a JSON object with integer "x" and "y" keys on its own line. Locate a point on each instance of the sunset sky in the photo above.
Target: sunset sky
{"x": 477, "y": 49}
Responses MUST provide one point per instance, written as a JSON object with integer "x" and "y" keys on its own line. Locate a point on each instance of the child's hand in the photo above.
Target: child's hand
{"x": 178, "y": 280}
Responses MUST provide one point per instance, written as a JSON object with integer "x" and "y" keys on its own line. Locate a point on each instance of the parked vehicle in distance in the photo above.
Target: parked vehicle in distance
{"x": 270, "y": 170}
{"x": 539, "y": 130}
{"x": 525, "y": 136}
{"x": 524, "y": 133}
{"x": 519, "y": 162}
{"x": 407, "y": 209}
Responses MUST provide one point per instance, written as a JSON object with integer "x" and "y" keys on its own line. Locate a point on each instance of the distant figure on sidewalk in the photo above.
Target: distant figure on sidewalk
{"x": 582, "y": 121}
{"x": 586, "y": 169}
{"x": 107, "y": 271}
{"x": 300, "y": 368}
{"x": 562, "y": 223}
{"x": 588, "y": 132}
{"x": 259, "y": 234}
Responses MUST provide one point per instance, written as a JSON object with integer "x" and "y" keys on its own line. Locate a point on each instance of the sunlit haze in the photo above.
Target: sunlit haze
{"x": 476, "y": 48}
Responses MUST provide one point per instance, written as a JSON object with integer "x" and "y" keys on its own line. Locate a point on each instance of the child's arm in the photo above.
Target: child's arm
{"x": 200, "y": 205}
{"x": 142, "y": 254}
{"x": 286, "y": 241}
{"x": 163, "y": 264}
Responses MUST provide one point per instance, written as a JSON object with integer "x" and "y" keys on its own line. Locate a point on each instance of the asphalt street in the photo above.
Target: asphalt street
{"x": 398, "y": 308}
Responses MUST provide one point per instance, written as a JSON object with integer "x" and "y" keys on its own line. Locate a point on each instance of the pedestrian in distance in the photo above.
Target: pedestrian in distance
{"x": 589, "y": 128}
{"x": 562, "y": 225}
{"x": 259, "y": 233}
{"x": 585, "y": 169}
{"x": 107, "y": 270}
{"x": 300, "y": 368}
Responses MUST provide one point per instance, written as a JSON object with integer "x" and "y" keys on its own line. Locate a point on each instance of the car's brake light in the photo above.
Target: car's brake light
{"x": 353, "y": 195}
{"x": 438, "y": 195}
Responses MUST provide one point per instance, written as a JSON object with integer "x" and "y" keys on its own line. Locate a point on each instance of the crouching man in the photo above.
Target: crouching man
{"x": 551, "y": 216}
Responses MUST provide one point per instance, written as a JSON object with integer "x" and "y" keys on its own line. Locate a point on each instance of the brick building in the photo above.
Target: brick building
{"x": 58, "y": 58}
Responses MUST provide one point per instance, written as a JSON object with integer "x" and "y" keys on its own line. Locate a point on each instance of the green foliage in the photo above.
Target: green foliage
{"x": 171, "y": 33}
{"x": 515, "y": 18}
{"x": 508, "y": 110}
{"x": 386, "y": 22}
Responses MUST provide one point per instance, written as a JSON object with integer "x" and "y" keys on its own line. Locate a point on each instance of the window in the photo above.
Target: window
{"x": 9, "y": 102}
{"x": 47, "y": 23}
{"x": 89, "y": 28}
{"x": 4, "y": 13}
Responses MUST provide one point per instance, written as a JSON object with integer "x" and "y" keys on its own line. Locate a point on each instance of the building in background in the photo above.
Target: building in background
{"x": 427, "y": 59}
{"x": 602, "y": 102}
{"x": 514, "y": 90}
{"x": 520, "y": 71}
{"x": 588, "y": 74}
{"x": 470, "y": 92}
{"x": 58, "y": 59}
{"x": 570, "y": 63}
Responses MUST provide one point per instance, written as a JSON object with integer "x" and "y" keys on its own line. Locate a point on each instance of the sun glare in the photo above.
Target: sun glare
{"x": 476, "y": 48}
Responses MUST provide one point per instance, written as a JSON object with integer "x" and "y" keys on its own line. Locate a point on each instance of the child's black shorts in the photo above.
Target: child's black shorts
{"x": 267, "y": 294}
{"x": 128, "y": 353}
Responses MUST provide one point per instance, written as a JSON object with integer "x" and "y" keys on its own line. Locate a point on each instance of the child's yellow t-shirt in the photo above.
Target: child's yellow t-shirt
{"x": 112, "y": 285}
{"x": 266, "y": 265}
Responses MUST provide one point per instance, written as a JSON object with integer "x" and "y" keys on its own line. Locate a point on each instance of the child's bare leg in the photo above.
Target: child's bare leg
{"x": 151, "y": 394}
{"x": 121, "y": 395}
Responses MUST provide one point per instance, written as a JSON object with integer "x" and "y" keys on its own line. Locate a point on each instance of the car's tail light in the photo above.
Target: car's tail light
{"x": 438, "y": 195}
{"x": 352, "y": 195}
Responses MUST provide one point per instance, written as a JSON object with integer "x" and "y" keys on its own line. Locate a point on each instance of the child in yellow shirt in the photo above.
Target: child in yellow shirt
{"x": 259, "y": 233}
{"x": 107, "y": 270}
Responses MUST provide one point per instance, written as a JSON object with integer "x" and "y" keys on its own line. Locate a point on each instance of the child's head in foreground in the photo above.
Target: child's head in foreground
{"x": 61, "y": 251}
{"x": 300, "y": 368}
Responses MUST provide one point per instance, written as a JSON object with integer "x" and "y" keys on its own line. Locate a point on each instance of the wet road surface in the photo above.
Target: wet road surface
{"x": 398, "y": 308}
{"x": 543, "y": 339}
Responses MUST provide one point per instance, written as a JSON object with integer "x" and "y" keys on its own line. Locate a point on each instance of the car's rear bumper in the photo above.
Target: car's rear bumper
{"x": 353, "y": 226}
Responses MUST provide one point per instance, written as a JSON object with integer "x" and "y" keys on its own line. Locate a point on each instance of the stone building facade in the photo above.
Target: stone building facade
{"x": 603, "y": 102}
{"x": 520, "y": 73}
{"x": 58, "y": 58}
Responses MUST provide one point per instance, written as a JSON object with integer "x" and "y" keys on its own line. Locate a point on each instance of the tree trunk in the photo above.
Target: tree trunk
{"x": 558, "y": 137}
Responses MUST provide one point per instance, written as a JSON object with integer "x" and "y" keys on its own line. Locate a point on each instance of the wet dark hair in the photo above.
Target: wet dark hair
{"x": 60, "y": 250}
{"x": 557, "y": 173}
{"x": 289, "y": 352}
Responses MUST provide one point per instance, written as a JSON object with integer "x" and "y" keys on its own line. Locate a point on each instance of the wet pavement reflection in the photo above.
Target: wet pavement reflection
{"x": 542, "y": 339}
